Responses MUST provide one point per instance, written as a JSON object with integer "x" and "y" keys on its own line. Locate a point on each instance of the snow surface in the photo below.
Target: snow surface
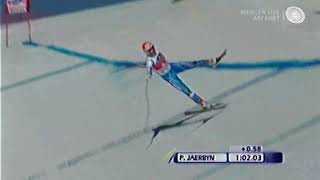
{"x": 68, "y": 113}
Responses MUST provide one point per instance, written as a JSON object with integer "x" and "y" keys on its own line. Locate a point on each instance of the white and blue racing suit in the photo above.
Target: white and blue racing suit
{"x": 170, "y": 71}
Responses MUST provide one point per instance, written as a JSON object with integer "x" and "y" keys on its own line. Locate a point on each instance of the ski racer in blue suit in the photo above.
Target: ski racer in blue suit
{"x": 157, "y": 62}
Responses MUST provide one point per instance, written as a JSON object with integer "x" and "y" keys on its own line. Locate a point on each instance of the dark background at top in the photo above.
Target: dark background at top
{"x": 46, "y": 8}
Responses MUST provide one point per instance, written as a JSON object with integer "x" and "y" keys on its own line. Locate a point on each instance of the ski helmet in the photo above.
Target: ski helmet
{"x": 147, "y": 46}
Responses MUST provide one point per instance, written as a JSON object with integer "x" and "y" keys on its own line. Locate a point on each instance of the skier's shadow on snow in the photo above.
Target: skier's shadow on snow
{"x": 181, "y": 123}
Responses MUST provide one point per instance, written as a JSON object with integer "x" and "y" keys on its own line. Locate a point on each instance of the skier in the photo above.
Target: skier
{"x": 157, "y": 62}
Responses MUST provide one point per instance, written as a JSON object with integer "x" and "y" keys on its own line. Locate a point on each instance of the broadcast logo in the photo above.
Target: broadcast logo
{"x": 295, "y": 15}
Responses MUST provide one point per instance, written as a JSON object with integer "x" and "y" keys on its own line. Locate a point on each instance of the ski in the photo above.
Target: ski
{"x": 216, "y": 106}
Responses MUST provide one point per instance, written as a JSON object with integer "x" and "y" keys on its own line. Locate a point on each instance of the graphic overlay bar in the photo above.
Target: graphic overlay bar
{"x": 237, "y": 154}
{"x": 246, "y": 148}
{"x": 273, "y": 157}
{"x": 199, "y": 157}
{"x": 245, "y": 157}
